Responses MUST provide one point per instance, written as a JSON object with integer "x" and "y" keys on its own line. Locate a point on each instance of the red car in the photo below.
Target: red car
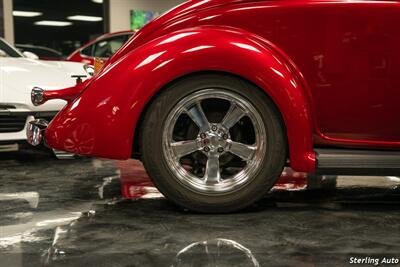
{"x": 217, "y": 97}
{"x": 102, "y": 47}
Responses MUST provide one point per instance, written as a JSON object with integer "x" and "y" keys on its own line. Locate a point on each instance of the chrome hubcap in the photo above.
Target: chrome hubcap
{"x": 214, "y": 141}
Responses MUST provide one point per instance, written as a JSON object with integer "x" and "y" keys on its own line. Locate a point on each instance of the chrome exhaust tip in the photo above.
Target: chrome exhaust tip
{"x": 35, "y": 131}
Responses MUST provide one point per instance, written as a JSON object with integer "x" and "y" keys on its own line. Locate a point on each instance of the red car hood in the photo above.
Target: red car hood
{"x": 184, "y": 9}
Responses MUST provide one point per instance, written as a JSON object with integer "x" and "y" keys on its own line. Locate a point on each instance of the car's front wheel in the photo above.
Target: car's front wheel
{"x": 213, "y": 143}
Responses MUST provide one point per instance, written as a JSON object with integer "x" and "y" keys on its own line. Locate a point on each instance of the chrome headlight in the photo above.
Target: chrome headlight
{"x": 37, "y": 96}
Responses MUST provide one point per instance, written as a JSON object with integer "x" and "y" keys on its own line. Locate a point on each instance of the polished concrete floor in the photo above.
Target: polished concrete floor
{"x": 75, "y": 213}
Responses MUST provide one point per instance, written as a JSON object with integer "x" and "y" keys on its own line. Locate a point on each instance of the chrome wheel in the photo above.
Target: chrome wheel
{"x": 214, "y": 141}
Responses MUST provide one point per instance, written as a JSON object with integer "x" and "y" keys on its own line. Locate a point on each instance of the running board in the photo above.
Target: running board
{"x": 357, "y": 162}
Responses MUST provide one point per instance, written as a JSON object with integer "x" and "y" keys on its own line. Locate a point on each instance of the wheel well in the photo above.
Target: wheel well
{"x": 136, "y": 154}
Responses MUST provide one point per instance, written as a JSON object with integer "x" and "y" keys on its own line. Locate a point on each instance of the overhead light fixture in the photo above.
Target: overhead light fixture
{"x": 97, "y": 1}
{"x": 18, "y": 13}
{"x": 85, "y": 18}
{"x": 53, "y": 23}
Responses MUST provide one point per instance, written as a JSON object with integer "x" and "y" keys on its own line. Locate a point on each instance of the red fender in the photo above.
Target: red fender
{"x": 102, "y": 120}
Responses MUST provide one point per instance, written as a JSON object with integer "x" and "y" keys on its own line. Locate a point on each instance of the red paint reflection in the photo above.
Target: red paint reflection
{"x": 291, "y": 180}
{"x": 81, "y": 140}
{"x": 135, "y": 182}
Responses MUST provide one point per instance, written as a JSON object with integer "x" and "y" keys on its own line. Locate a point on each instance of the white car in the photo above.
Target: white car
{"x": 19, "y": 73}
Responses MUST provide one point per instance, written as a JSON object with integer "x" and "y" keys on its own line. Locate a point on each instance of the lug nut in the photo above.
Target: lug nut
{"x": 214, "y": 128}
{"x": 206, "y": 149}
{"x": 203, "y": 135}
{"x": 220, "y": 150}
{"x": 225, "y": 136}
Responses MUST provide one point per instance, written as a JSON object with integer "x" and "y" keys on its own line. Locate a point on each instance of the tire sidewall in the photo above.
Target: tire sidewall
{"x": 162, "y": 175}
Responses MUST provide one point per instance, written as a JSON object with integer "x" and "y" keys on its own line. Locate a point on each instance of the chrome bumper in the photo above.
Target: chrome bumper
{"x": 35, "y": 131}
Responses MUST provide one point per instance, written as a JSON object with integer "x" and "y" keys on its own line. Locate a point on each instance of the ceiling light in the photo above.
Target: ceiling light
{"x": 97, "y": 1}
{"x": 17, "y": 13}
{"x": 53, "y": 23}
{"x": 85, "y": 18}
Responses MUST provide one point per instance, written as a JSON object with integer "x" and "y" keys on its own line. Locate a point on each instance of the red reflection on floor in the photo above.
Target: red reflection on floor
{"x": 135, "y": 182}
{"x": 291, "y": 180}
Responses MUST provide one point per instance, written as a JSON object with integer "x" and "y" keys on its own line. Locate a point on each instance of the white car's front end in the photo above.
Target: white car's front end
{"x": 18, "y": 75}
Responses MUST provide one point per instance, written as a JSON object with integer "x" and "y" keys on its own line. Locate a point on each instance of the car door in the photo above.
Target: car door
{"x": 348, "y": 52}
{"x": 355, "y": 81}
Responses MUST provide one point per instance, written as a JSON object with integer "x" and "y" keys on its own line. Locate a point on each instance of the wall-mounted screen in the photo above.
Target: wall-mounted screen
{"x": 139, "y": 18}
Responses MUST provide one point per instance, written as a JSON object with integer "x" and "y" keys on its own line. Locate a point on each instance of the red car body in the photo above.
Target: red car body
{"x": 337, "y": 82}
{"x": 332, "y": 68}
{"x": 79, "y": 55}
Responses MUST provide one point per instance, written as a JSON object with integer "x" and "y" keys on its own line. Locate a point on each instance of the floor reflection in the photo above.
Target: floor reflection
{"x": 135, "y": 182}
{"x": 215, "y": 252}
{"x": 105, "y": 213}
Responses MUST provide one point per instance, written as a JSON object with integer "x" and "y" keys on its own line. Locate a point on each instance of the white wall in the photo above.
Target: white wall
{"x": 8, "y": 20}
{"x": 120, "y": 10}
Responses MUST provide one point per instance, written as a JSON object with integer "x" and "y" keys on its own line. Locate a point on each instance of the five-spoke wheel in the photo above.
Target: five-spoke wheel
{"x": 213, "y": 143}
{"x": 216, "y": 139}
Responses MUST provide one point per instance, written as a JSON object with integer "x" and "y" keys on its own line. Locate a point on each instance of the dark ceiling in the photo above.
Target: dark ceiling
{"x": 65, "y": 39}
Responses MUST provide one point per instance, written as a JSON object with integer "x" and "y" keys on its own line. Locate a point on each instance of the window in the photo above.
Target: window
{"x": 7, "y": 50}
{"x": 106, "y": 48}
{"x": 41, "y": 52}
{"x": 88, "y": 51}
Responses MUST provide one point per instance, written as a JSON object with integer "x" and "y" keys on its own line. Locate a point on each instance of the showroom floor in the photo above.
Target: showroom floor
{"x": 72, "y": 213}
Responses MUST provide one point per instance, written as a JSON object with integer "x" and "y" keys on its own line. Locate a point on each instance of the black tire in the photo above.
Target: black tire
{"x": 162, "y": 176}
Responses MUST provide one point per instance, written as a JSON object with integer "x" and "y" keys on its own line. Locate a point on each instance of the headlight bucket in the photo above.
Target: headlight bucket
{"x": 37, "y": 96}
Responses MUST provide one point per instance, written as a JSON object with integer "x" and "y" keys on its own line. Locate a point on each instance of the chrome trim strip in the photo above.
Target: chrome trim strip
{"x": 9, "y": 148}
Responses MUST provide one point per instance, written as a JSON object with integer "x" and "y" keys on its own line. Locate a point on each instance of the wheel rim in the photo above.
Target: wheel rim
{"x": 222, "y": 154}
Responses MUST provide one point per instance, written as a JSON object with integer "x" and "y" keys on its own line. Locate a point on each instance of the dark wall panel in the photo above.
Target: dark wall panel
{"x": 63, "y": 39}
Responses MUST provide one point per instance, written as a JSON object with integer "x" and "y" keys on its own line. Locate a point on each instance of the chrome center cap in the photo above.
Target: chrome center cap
{"x": 214, "y": 140}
